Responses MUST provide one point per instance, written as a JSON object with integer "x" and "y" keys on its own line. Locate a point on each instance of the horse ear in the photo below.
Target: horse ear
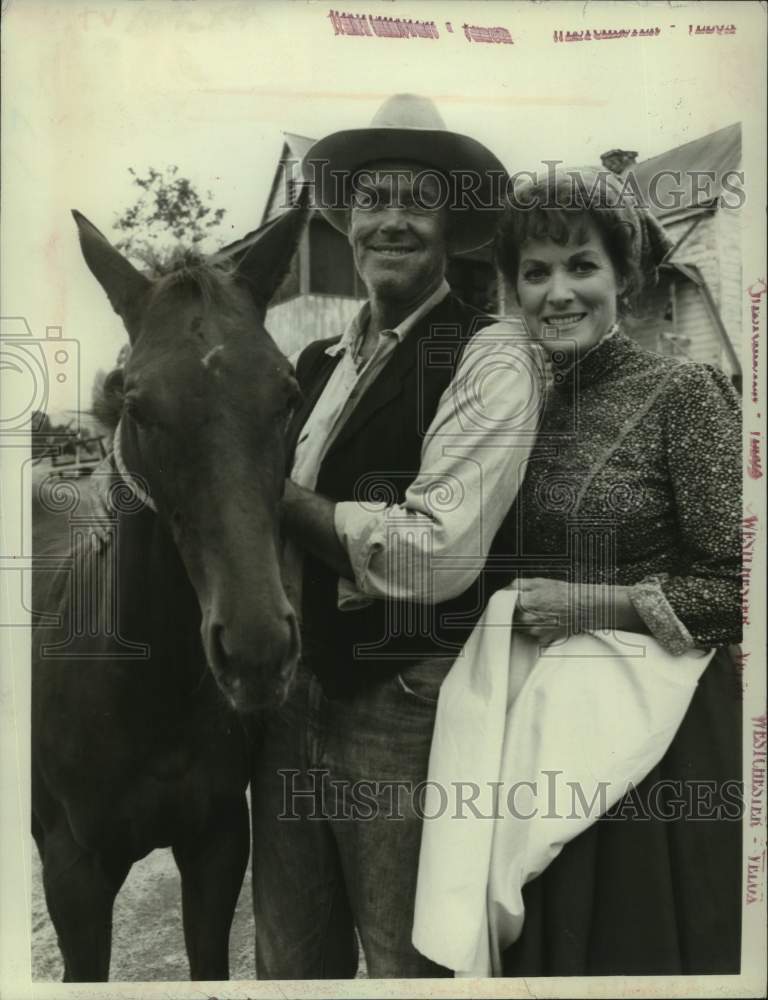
{"x": 264, "y": 257}
{"x": 124, "y": 285}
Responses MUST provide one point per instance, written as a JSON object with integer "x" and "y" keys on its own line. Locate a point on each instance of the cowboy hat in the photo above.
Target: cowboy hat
{"x": 409, "y": 127}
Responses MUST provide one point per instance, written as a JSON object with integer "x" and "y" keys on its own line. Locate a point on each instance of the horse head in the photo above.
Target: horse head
{"x": 206, "y": 398}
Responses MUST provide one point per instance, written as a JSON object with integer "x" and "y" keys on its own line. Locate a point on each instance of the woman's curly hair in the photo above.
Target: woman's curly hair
{"x": 559, "y": 206}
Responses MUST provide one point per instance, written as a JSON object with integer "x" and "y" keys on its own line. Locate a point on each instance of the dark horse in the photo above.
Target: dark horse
{"x": 167, "y": 617}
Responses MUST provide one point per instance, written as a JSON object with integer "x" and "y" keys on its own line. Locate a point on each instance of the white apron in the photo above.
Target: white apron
{"x": 580, "y": 723}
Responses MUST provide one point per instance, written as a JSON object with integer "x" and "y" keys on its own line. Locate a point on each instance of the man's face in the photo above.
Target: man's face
{"x": 398, "y": 239}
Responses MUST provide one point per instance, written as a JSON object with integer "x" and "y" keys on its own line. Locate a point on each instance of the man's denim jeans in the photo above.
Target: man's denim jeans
{"x": 336, "y": 828}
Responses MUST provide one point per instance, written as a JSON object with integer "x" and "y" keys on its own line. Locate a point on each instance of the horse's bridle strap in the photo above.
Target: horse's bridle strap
{"x": 135, "y": 484}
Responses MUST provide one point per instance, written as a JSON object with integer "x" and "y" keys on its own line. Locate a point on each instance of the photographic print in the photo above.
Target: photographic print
{"x": 383, "y": 439}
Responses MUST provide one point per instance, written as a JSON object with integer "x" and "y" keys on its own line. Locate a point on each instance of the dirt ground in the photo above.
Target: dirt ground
{"x": 148, "y": 941}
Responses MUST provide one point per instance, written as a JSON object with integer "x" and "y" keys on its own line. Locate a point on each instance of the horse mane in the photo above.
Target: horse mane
{"x": 187, "y": 269}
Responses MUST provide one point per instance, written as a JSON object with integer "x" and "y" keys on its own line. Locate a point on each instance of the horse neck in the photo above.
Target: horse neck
{"x": 157, "y": 605}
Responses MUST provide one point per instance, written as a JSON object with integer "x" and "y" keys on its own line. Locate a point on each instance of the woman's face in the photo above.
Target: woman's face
{"x": 568, "y": 293}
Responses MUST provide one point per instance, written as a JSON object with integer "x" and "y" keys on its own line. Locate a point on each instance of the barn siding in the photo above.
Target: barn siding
{"x": 729, "y": 241}
{"x": 695, "y": 324}
{"x": 298, "y": 322}
{"x": 647, "y": 323}
{"x": 693, "y": 320}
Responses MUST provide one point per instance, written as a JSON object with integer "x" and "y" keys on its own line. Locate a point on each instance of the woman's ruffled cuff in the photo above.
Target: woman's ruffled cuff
{"x": 650, "y": 602}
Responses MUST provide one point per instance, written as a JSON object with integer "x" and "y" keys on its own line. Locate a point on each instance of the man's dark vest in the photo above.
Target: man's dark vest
{"x": 375, "y": 457}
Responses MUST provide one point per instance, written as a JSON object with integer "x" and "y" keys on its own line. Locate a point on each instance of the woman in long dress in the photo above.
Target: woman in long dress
{"x": 636, "y": 482}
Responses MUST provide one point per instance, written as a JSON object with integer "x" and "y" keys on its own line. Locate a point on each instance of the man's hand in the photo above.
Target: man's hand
{"x": 309, "y": 520}
{"x": 552, "y": 609}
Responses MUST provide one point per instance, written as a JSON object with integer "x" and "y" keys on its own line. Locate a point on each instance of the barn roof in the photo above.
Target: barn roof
{"x": 288, "y": 172}
{"x": 718, "y": 152}
{"x": 299, "y": 144}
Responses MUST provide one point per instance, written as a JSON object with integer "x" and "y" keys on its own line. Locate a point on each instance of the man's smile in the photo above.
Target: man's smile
{"x": 392, "y": 250}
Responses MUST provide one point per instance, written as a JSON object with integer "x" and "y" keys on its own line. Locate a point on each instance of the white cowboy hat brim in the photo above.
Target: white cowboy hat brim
{"x": 331, "y": 162}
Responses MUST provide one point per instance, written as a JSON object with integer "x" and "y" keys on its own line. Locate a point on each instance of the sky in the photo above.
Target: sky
{"x": 209, "y": 85}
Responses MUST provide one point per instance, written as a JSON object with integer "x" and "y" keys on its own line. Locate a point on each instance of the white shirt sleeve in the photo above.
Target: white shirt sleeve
{"x": 433, "y": 546}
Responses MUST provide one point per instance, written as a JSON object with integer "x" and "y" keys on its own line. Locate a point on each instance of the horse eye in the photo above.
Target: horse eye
{"x": 134, "y": 411}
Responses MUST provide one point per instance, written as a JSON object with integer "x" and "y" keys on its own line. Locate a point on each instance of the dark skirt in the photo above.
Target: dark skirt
{"x": 638, "y": 894}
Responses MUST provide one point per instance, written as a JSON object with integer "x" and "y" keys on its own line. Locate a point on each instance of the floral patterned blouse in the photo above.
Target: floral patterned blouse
{"x": 636, "y": 480}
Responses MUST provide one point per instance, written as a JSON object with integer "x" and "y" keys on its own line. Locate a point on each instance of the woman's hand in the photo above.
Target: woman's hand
{"x": 545, "y": 608}
{"x": 552, "y": 609}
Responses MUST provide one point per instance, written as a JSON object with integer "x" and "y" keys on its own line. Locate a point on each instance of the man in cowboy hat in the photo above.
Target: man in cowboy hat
{"x": 408, "y": 451}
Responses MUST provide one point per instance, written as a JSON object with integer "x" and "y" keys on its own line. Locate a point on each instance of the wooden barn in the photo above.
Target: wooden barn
{"x": 694, "y": 312}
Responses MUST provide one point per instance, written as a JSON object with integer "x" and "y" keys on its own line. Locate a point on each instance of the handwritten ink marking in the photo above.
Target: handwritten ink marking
{"x": 759, "y": 744}
{"x": 739, "y": 663}
{"x": 756, "y": 291}
{"x": 754, "y": 463}
{"x": 382, "y": 26}
{"x": 344, "y": 23}
{"x": 756, "y": 862}
{"x": 755, "y": 874}
{"x": 604, "y": 34}
{"x": 475, "y": 33}
{"x": 748, "y": 538}
{"x": 712, "y": 29}
{"x": 349, "y": 24}
{"x": 395, "y": 27}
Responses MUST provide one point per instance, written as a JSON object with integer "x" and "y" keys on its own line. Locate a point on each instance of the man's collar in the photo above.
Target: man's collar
{"x": 357, "y": 326}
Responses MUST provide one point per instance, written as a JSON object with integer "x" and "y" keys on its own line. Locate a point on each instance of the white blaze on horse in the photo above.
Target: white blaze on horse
{"x": 167, "y": 618}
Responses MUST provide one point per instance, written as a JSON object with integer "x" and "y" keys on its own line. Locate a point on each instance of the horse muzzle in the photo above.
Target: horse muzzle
{"x": 254, "y": 665}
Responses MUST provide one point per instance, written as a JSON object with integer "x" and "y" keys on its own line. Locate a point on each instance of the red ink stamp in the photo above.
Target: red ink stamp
{"x": 756, "y": 862}
{"x": 474, "y": 33}
{"x": 712, "y": 29}
{"x": 604, "y": 34}
{"x": 381, "y": 26}
{"x": 748, "y": 539}
{"x": 756, "y": 292}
